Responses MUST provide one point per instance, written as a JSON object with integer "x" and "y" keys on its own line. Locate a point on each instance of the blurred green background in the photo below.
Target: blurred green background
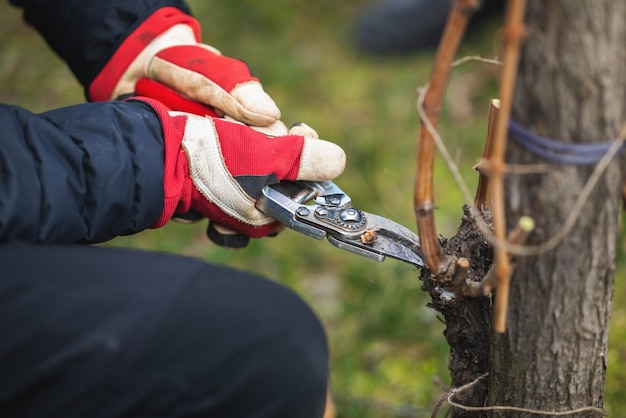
{"x": 388, "y": 354}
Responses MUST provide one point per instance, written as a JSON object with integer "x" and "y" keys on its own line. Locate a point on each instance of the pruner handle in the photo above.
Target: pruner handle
{"x": 283, "y": 208}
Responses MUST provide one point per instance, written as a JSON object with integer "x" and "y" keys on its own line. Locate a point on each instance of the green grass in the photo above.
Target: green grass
{"x": 389, "y": 358}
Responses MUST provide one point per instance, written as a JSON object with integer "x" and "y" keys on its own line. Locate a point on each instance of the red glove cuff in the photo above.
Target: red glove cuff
{"x": 161, "y": 20}
{"x": 177, "y": 186}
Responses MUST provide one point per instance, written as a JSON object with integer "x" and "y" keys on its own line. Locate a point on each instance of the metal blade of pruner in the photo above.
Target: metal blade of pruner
{"x": 333, "y": 217}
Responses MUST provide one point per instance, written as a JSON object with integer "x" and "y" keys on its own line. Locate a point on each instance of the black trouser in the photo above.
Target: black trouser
{"x": 91, "y": 332}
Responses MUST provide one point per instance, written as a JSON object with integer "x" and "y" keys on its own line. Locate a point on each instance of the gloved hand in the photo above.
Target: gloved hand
{"x": 164, "y": 59}
{"x": 218, "y": 167}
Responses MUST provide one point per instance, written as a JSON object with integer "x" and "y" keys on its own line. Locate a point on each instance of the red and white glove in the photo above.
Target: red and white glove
{"x": 218, "y": 168}
{"x": 164, "y": 59}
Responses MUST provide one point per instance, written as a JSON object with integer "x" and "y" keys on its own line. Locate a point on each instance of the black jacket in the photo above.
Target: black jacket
{"x": 86, "y": 33}
{"x": 89, "y": 172}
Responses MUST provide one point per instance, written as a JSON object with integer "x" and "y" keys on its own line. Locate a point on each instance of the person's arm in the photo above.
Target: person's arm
{"x": 90, "y": 172}
{"x": 87, "y": 33}
{"x": 152, "y": 48}
{"x": 85, "y": 173}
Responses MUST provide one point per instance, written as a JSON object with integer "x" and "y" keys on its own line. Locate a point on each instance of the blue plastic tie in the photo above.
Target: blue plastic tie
{"x": 559, "y": 151}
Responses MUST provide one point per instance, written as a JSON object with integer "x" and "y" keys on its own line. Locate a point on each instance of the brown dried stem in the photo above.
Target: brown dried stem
{"x": 423, "y": 200}
{"x": 512, "y": 36}
{"x": 482, "y": 201}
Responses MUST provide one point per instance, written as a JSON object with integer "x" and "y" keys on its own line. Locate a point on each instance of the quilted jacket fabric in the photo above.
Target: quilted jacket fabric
{"x": 89, "y": 172}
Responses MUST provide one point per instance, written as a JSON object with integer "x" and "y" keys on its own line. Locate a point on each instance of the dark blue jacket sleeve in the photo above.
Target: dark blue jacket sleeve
{"x": 84, "y": 173}
{"x": 86, "y": 33}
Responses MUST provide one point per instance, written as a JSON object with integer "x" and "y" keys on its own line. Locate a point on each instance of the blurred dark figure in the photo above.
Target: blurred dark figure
{"x": 400, "y": 27}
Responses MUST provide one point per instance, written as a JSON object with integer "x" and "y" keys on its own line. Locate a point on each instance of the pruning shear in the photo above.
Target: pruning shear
{"x": 332, "y": 216}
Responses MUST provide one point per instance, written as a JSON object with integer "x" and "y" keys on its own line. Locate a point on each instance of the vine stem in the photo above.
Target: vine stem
{"x": 514, "y": 32}
{"x": 423, "y": 201}
{"x": 482, "y": 200}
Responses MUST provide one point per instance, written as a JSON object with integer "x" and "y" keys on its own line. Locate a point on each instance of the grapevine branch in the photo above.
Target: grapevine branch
{"x": 513, "y": 34}
{"x": 438, "y": 264}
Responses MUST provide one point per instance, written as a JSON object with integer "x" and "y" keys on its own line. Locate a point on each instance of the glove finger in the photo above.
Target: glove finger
{"x": 222, "y": 82}
{"x": 302, "y": 129}
{"x": 251, "y": 156}
{"x": 256, "y": 106}
{"x": 320, "y": 160}
{"x": 155, "y": 90}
